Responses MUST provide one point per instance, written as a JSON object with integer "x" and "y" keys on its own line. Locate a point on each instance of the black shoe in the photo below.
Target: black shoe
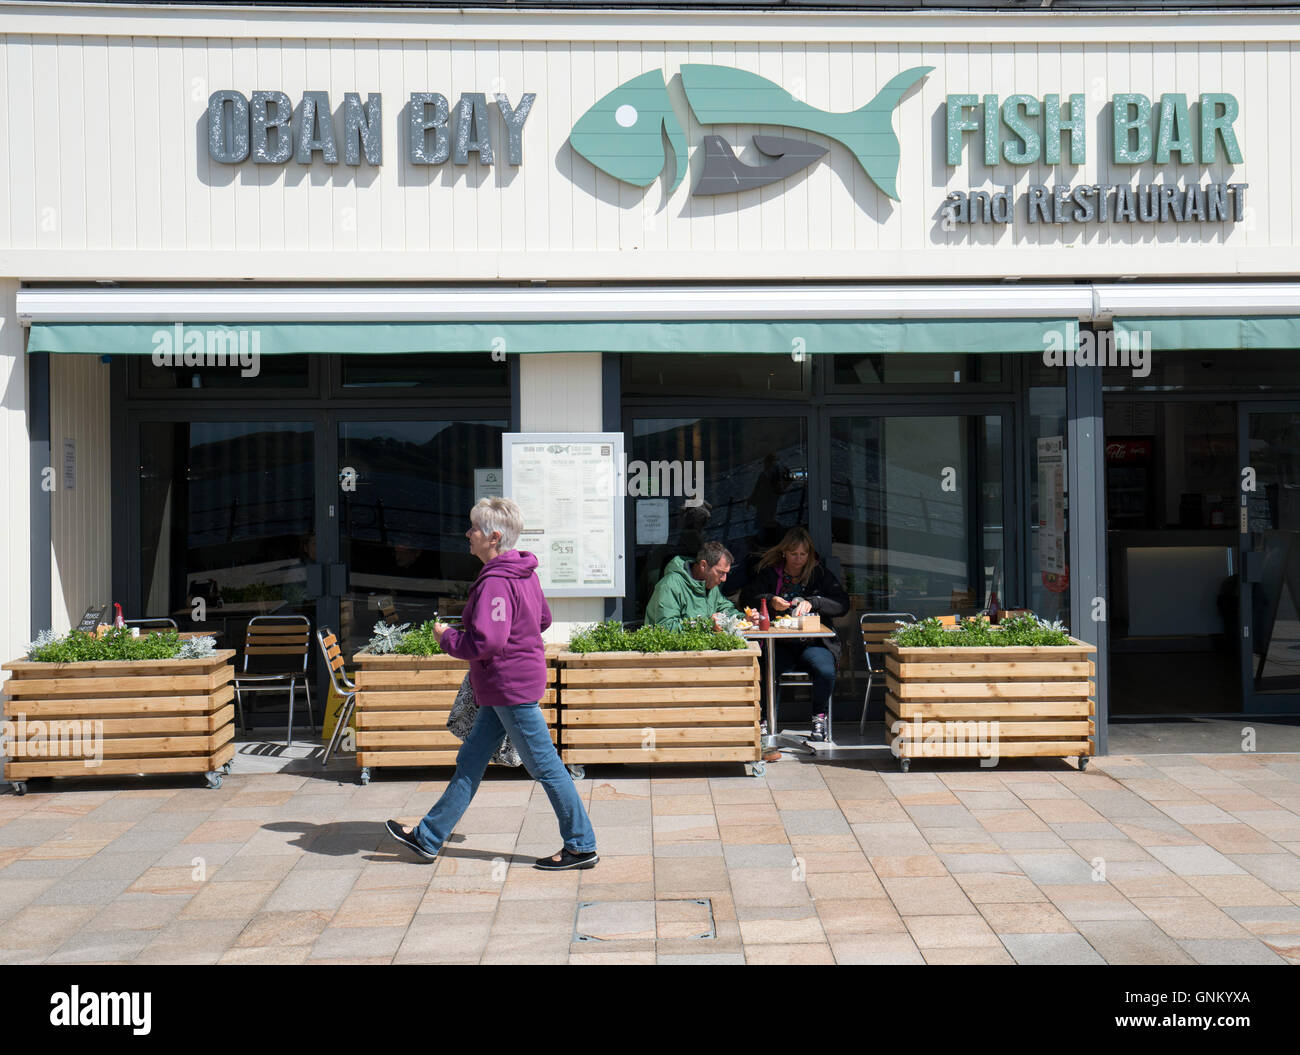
{"x": 408, "y": 839}
{"x": 567, "y": 860}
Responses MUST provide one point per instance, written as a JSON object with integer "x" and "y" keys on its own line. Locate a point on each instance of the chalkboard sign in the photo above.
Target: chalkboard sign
{"x": 93, "y": 617}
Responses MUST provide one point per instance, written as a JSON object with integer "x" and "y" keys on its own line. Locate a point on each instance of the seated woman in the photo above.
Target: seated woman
{"x": 794, "y": 582}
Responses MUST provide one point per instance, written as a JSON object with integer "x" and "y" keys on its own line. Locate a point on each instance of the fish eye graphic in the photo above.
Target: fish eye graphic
{"x": 622, "y": 133}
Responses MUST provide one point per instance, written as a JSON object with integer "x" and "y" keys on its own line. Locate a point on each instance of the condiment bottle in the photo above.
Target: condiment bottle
{"x": 764, "y": 620}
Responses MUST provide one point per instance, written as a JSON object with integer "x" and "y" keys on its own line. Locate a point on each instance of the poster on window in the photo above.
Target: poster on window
{"x": 569, "y": 487}
{"x": 1051, "y": 505}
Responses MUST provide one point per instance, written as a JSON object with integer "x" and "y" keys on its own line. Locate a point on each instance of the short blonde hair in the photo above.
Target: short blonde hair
{"x": 498, "y": 514}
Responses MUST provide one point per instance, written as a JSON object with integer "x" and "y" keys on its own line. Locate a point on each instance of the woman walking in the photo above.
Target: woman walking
{"x": 501, "y": 636}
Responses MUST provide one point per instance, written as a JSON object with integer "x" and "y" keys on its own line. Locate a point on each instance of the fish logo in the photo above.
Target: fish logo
{"x": 622, "y": 134}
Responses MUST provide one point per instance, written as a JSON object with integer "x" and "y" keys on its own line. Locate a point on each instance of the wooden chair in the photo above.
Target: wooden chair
{"x": 876, "y": 626}
{"x": 333, "y": 656}
{"x": 279, "y": 646}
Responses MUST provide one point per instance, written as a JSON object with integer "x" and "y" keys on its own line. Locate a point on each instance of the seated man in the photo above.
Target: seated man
{"x": 689, "y": 590}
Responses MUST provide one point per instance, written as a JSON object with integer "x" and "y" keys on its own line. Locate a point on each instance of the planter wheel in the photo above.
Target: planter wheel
{"x": 214, "y": 779}
{"x": 20, "y": 787}
{"x": 365, "y": 775}
{"x": 905, "y": 764}
{"x": 577, "y": 772}
{"x": 757, "y": 769}
{"x": 226, "y": 768}
{"x": 1083, "y": 763}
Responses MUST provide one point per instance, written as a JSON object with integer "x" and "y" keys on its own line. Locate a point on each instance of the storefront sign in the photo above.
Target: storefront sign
{"x": 1139, "y": 134}
{"x": 270, "y": 129}
{"x": 1133, "y": 141}
{"x": 1102, "y": 203}
{"x": 623, "y": 134}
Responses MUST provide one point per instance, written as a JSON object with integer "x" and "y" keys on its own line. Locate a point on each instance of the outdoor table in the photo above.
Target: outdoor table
{"x": 769, "y": 639}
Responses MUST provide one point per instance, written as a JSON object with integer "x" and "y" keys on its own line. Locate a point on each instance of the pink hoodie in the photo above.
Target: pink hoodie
{"x": 501, "y": 632}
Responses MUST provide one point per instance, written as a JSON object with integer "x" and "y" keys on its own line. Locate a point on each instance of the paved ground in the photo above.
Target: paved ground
{"x": 1162, "y": 859}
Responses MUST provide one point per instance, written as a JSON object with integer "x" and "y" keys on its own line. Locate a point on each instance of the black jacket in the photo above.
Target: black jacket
{"x": 823, "y": 591}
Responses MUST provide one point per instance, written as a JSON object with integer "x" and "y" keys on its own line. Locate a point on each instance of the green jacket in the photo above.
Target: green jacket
{"x": 679, "y": 595}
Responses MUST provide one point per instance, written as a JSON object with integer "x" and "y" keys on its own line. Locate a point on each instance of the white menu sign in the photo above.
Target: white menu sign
{"x": 1051, "y": 505}
{"x": 570, "y": 489}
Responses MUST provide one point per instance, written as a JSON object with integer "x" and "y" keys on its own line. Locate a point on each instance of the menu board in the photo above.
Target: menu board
{"x": 1051, "y": 505}
{"x": 570, "y": 489}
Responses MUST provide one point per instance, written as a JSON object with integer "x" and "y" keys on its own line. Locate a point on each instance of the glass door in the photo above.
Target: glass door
{"x": 404, "y": 492}
{"x": 919, "y": 518}
{"x": 1270, "y": 558}
{"x": 228, "y": 522}
{"x": 740, "y": 480}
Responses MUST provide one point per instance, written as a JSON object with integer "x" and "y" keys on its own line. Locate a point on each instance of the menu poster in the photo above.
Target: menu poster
{"x": 488, "y": 483}
{"x": 569, "y": 487}
{"x": 1051, "y": 505}
{"x": 651, "y": 521}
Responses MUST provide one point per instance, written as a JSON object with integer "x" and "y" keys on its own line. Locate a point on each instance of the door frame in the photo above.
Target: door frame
{"x": 1013, "y": 558}
{"x": 1253, "y": 702}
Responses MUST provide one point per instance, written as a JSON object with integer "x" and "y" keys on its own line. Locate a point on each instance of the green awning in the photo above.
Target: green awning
{"x": 781, "y": 337}
{"x": 1213, "y": 332}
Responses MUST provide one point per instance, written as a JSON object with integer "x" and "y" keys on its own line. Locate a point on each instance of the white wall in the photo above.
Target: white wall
{"x": 81, "y": 542}
{"x": 15, "y": 480}
{"x": 108, "y": 174}
{"x": 562, "y": 393}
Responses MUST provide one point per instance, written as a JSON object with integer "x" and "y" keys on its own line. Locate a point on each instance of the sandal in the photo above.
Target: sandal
{"x": 567, "y": 859}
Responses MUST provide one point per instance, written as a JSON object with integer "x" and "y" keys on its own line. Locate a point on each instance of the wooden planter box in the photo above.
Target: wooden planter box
{"x": 402, "y": 707}
{"x": 659, "y": 707}
{"x": 154, "y": 716}
{"x": 1036, "y": 701}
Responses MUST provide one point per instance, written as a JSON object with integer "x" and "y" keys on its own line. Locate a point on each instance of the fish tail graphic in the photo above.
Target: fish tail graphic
{"x": 869, "y": 131}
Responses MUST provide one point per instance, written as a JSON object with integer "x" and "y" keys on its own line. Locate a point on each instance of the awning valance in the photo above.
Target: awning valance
{"x": 1211, "y": 332}
{"x": 777, "y": 337}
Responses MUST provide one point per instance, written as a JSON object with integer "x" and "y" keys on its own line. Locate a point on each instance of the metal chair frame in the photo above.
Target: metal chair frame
{"x": 333, "y": 656}
{"x": 875, "y": 617}
{"x": 148, "y": 625}
{"x": 252, "y": 681}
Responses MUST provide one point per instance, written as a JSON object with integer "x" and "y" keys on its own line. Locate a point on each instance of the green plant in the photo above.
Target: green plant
{"x": 117, "y": 645}
{"x": 695, "y": 635}
{"x": 978, "y": 633}
{"x": 419, "y": 642}
{"x": 608, "y": 636}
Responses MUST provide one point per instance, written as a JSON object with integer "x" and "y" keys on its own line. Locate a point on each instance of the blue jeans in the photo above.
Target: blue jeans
{"x": 815, "y": 659}
{"x": 527, "y": 730}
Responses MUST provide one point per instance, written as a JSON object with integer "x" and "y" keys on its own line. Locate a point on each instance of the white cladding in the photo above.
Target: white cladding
{"x": 103, "y": 121}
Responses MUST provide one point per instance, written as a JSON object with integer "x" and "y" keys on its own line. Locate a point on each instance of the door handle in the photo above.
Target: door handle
{"x": 315, "y": 580}
{"x": 338, "y": 580}
{"x": 1252, "y": 566}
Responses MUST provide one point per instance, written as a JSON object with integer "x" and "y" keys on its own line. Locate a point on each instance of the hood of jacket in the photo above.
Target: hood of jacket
{"x": 678, "y": 568}
{"x": 513, "y": 564}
